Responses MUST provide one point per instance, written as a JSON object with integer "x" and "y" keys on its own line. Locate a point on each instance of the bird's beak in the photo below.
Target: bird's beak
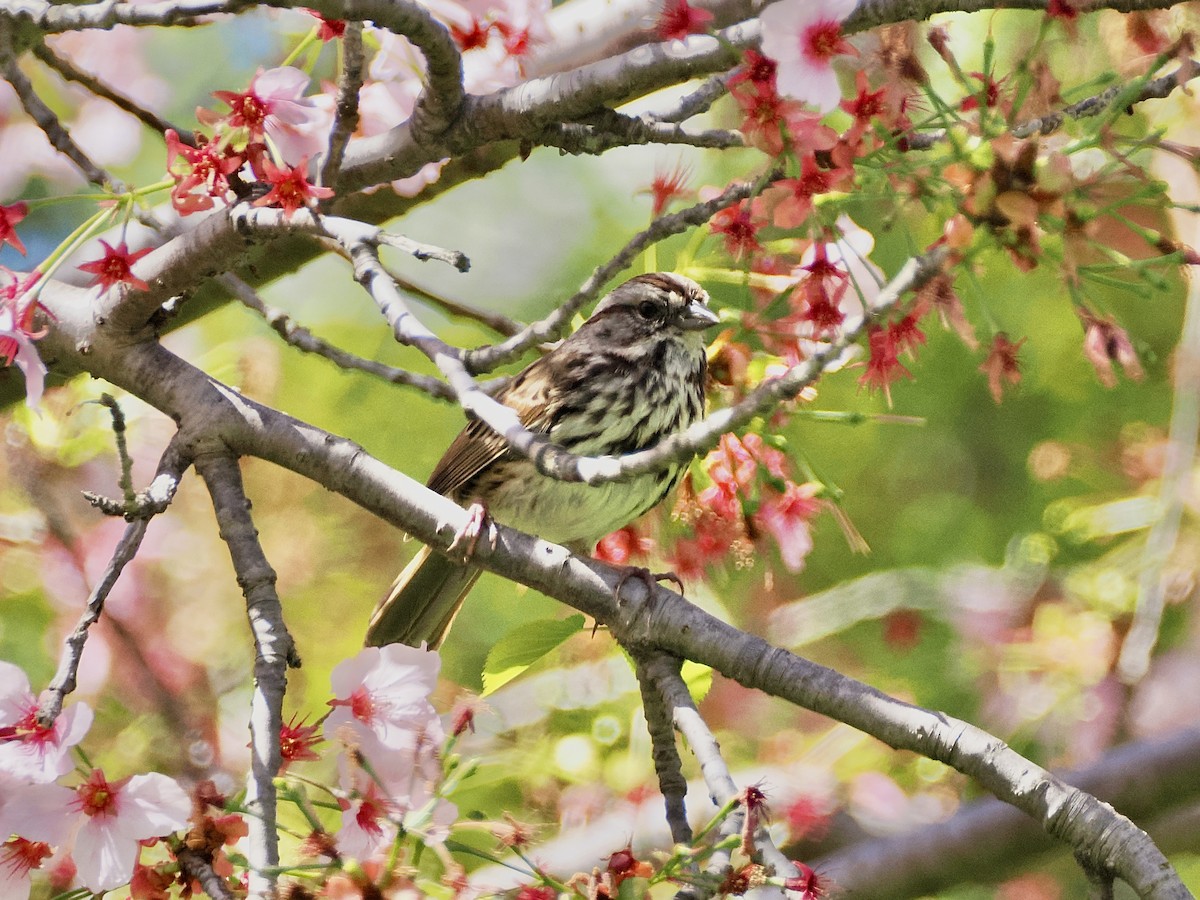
{"x": 697, "y": 317}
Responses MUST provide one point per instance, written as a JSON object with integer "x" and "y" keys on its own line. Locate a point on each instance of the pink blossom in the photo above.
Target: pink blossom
{"x": 32, "y": 810}
{"x": 396, "y": 787}
{"x": 114, "y": 817}
{"x": 803, "y": 36}
{"x": 18, "y": 858}
{"x": 9, "y": 217}
{"x": 29, "y": 750}
{"x": 275, "y": 105}
{"x": 383, "y": 695}
{"x": 786, "y": 518}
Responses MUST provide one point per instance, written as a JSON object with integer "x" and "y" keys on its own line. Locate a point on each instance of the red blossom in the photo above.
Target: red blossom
{"x": 756, "y": 70}
{"x": 517, "y": 41}
{"x": 1063, "y": 10}
{"x": 989, "y": 91}
{"x": 473, "y": 36}
{"x": 297, "y": 740}
{"x": 1002, "y": 364}
{"x": 902, "y": 629}
{"x": 9, "y": 217}
{"x": 757, "y": 813}
{"x": 793, "y": 197}
{"x": 327, "y": 29}
{"x": 808, "y": 884}
{"x": 98, "y": 796}
{"x": 884, "y": 366}
{"x": 822, "y": 290}
{"x": 678, "y": 19}
{"x": 866, "y": 104}
{"x": 906, "y": 336}
{"x": 537, "y": 892}
{"x": 739, "y": 229}
{"x": 668, "y": 186}
{"x": 623, "y": 546}
{"x": 206, "y": 166}
{"x": 115, "y": 267}
{"x": 290, "y": 188}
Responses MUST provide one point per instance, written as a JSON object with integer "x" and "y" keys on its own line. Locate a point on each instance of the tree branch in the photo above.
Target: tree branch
{"x": 153, "y": 500}
{"x": 667, "y": 764}
{"x": 646, "y": 619}
{"x": 274, "y": 652}
{"x": 980, "y": 841}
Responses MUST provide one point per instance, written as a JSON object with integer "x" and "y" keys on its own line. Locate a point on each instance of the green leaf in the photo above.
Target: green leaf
{"x": 520, "y": 649}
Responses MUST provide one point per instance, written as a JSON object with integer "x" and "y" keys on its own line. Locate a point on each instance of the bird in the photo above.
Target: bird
{"x": 630, "y": 375}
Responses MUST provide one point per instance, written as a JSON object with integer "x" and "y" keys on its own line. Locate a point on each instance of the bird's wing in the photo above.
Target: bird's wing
{"x": 477, "y": 446}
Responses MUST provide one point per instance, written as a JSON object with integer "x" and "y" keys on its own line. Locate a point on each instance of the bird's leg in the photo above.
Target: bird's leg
{"x": 646, "y": 577}
{"x": 466, "y": 539}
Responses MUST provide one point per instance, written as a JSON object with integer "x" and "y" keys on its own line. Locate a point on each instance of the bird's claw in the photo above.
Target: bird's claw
{"x": 466, "y": 539}
{"x": 646, "y": 577}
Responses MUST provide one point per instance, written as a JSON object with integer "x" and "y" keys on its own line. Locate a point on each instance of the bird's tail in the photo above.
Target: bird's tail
{"x": 422, "y": 602}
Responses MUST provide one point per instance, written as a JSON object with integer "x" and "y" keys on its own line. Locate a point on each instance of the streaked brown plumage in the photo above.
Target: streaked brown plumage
{"x": 633, "y": 373}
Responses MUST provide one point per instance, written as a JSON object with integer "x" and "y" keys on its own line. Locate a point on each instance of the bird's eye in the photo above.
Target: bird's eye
{"x": 648, "y": 309}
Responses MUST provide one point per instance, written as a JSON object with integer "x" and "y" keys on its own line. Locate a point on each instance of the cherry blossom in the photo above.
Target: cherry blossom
{"x": 803, "y": 37}
{"x": 808, "y": 884}
{"x": 327, "y": 29}
{"x": 1002, "y": 364}
{"x": 396, "y": 787}
{"x": 17, "y": 334}
{"x": 208, "y": 165}
{"x": 678, "y": 19}
{"x": 738, "y": 227}
{"x": 275, "y": 106}
{"x": 786, "y": 518}
{"x": 884, "y": 366}
{"x": 116, "y": 266}
{"x": 296, "y": 742}
{"x": 37, "y": 811}
{"x": 623, "y": 545}
{"x": 290, "y": 188}
{"x": 113, "y": 817}
{"x": 667, "y": 186}
{"x": 18, "y": 858}
{"x": 30, "y": 750}
{"x": 9, "y": 217}
{"x": 383, "y": 695}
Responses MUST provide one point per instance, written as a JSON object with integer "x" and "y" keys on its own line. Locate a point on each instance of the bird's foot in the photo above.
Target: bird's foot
{"x": 646, "y": 577}
{"x": 466, "y": 540}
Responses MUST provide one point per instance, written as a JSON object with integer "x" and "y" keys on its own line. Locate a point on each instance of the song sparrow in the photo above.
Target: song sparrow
{"x": 632, "y": 374}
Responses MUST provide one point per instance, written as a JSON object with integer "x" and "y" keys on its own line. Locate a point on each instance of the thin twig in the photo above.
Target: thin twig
{"x": 46, "y": 120}
{"x": 1085, "y": 108}
{"x": 69, "y": 71}
{"x": 302, "y": 339}
{"x": 615, "y": 130}
{"x": 154, "y": 500}
{"x": 495, "y": 321}
{"x": 345, "y": 112}
{"x": 484, "y": 359}
{"x": 696, "y": 102}
{"x": 197, "y": 867}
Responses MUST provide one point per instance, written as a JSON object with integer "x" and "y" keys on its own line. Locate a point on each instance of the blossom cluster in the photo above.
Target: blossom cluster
{"x": 92, "y": 833}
